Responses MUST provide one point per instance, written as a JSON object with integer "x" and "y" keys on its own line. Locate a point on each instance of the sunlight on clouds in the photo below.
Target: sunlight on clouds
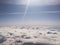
{"x": 32, "y": 2}
{"x": 44, "y": 2}
{"x": 39, "y": 2}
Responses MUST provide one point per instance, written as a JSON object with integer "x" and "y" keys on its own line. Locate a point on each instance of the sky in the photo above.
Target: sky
{"x": 32, "y": 2}
{"x": 29, "y": 11}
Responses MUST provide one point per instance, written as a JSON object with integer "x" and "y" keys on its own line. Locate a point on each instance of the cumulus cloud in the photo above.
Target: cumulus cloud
{"x": 32, "y": 2}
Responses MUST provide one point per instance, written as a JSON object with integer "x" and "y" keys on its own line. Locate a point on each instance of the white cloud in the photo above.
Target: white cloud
{"x": 38, "y": 2}
{"x": 45, "y": 2}
{"x": 32, "y": 2}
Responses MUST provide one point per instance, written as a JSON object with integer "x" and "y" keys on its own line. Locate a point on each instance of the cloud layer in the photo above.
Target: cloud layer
{"x": 32, "y": 2}
{"x": 45, "y": 2}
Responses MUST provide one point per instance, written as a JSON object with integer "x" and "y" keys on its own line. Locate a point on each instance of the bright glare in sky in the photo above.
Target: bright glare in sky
{"x": 42, "y": 2}
{"x": 35, "y": 2}
{"x": 32, "y": 2}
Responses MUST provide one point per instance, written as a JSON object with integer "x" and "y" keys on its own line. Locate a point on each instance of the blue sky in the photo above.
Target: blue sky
{"x": 13, "y": 10}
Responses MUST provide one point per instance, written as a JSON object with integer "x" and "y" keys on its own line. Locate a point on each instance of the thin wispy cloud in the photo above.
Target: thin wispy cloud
{"x": 33, "y": 12}
{"x": 32, "y": 2}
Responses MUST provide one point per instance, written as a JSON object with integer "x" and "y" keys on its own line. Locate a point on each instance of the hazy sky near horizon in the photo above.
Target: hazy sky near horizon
{"x": 38, "y": 10}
